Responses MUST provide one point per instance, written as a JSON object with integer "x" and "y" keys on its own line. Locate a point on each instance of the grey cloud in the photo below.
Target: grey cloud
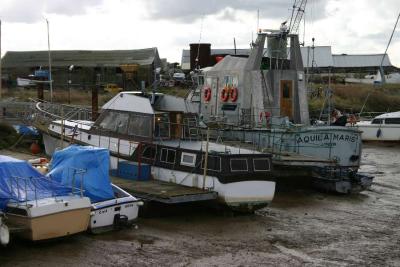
{"x": 30, "y": 11}
{"x": 190, "y": 10}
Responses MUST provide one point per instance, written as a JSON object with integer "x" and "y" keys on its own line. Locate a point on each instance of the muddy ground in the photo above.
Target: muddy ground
{"x": 301, "y": 227}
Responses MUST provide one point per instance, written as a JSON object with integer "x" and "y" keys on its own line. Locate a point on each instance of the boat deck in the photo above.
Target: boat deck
{"x": 164, "y": 192}
{"x": 298, "y": 160}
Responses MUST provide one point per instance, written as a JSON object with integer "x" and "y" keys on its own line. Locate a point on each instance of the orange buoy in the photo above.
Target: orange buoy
{"x": 35, "y": 148}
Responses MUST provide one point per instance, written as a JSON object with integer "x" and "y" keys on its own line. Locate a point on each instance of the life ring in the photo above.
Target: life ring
{"x": 233, "y": 93}
{"x": 224, "y": 94}
{"x": 207, "y": 94}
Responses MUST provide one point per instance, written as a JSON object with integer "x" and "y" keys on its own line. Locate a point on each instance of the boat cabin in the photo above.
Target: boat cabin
{"x": 132, "y": 116}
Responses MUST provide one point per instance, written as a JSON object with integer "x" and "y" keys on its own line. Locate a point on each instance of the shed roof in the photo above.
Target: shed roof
{"x": 355, "y": 61}
{"x": 82, "y": 58}
{"x": 322, "y": 56}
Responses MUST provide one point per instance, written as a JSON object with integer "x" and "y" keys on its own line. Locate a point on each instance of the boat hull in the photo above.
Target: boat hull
{"x": 244, "y": 196}
{"x": 377, "y": 132}
{"x": 114, "y": 213}
{"x": 342, "y": 145}
{"x": 63, "y": 223}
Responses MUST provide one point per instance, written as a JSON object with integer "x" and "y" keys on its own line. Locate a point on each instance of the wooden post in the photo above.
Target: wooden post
{"x": 95, "y": 99}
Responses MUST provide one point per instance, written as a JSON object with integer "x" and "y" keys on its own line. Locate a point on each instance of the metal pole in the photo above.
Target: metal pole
{"x": 1, "y": 80}
{"x": 206, "y": 159}
{"x": 48, "y": 49}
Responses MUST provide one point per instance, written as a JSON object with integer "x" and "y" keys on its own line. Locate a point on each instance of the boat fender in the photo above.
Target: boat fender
{"x": 233, "y": 93}
{"x": 207, "y": 94}
{"x": 224, "y": 94}
{"x": 379, "y": 133}
{"x": 260, "y": 117}
{"x": 4, "y": 234}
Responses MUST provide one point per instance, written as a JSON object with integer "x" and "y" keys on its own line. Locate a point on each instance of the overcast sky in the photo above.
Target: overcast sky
{"x": 356, "y": 26}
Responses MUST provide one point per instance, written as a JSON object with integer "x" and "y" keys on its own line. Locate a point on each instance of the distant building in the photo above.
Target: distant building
{"x": 318, "y": 59}
{"x": 125, "y": 68}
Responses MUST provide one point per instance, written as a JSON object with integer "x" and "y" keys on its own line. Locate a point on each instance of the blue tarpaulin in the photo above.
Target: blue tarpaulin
{"x": 20, "y": 182}
{"x": 92, "y": 161}
{"x": 26, "y": 130}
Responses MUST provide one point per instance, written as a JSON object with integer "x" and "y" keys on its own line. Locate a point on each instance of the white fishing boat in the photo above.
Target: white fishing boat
{"x": 111, "y": 214}
{"x": 262, "y": 100}
{"x": 132, "y": 129}
{"x": 385, "y": 127}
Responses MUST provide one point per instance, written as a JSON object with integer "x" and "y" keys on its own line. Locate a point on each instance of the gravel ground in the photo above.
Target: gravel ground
{"x": 301, "y": 227}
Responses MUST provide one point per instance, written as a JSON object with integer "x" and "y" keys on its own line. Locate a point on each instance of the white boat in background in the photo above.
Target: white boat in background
{"x": 113, "y": 213}
{"x": 385, "y": 127}
{"x": 50, "y": 217}
{"x": 23, "y": 82}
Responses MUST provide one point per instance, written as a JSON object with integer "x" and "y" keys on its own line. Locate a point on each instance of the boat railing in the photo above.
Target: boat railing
{"x": 24, "y": 187}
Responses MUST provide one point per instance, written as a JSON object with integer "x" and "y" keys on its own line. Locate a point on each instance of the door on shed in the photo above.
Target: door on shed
{"x": 286, "y": 92}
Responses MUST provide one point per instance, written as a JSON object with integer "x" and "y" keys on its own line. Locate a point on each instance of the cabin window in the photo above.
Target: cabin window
{"x": 377, "y": 121}
{"x": 261, "y": 164}
{"x": 188, "y": 159}
{"x": 139, "y": 125}
{"x": 392, "y": 121}
{"x": 238, "y": 165}
{"x": 167, "y": 155}
{"x": 213, "y": 163}
{"x": 161, "y": 128}
{"x": 115, "y": 122}
{"x": 149, "y": 152}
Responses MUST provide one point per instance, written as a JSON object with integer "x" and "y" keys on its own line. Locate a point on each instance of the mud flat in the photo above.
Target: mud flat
{"x": 301, "y": 227}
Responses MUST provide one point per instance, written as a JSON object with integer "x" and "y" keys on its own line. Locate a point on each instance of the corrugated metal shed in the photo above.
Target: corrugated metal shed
{"x": 322, "y": 56}
{"x": 360, "y": 61}
{"x": 82, "y": 58}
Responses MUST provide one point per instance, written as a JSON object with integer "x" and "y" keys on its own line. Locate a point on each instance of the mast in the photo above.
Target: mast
{"x": 48, "y": 49}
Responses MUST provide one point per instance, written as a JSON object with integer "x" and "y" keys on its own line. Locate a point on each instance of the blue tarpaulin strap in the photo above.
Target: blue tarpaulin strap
{"x": 93, "y": 161}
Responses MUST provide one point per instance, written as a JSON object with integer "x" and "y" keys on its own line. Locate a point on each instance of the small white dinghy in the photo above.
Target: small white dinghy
{"x": 114, "y": 213}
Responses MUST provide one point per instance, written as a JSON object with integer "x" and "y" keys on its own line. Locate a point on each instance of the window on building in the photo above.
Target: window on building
{"x": 261, "y": 164}
{"x": 188, "y": 159}
{"x": 167, "y": 155}
{"x": 239, "y": 165}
